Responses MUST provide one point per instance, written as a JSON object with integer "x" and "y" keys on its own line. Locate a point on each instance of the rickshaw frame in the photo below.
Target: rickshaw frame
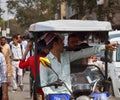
{"x": 66, "y": 26}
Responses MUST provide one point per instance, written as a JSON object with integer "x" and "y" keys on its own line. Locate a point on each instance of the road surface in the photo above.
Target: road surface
{"x": 25, "y": 94}
{"x": 21, "y": 95}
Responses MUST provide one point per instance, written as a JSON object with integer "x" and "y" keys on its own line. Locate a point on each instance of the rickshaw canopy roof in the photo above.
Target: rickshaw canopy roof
{"x": 70, "y": 25}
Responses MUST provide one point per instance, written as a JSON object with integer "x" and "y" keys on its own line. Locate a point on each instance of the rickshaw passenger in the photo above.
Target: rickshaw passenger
{"x": 76, "y": 43}
{"x": 96, "y": 61}
{"x": 42, "y": 52}
{"x": 73, "y": 40}
{"x": 60, "y": 62}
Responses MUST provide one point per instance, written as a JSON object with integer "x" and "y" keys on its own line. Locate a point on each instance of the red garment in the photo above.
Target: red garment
{"x": 30, "y": 62}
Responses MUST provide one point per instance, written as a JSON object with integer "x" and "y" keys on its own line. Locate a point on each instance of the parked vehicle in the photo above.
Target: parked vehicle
{"x": 114, "y": 35}
{"x": 114, "y": 64}
{"x": 113, "y": 60}
{"x": 82, "y": 27}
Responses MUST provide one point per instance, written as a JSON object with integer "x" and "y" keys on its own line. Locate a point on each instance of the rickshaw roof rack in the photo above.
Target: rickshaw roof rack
{"x": 70, "y": 26}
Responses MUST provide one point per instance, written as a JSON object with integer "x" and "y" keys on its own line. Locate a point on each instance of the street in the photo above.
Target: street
{"x": 25, "y": 94}
{"x": 21, "y": 95}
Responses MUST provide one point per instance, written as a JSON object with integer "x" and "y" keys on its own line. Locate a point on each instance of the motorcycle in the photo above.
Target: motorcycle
{"x": 80, "y": 91}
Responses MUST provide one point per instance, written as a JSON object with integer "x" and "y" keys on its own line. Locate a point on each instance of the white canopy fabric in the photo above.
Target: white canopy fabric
{"x": 70, "y": 25}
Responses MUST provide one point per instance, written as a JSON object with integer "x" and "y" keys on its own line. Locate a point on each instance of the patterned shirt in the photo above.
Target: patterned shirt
{"x": 6, "y": 52}
{"x": 3, "y": 69}
{"x": 47, "y": 76}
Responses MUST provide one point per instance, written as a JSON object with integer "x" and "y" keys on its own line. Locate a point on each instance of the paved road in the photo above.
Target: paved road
{"x": 25, "y": 94}
{"x": 21, "y": 95}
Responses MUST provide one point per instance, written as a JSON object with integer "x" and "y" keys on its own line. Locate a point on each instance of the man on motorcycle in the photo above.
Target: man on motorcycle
{"x": 60, "y": 62}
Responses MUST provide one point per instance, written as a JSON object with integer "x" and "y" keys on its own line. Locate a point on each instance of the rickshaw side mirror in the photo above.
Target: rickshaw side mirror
{"x": 45, "y": 62}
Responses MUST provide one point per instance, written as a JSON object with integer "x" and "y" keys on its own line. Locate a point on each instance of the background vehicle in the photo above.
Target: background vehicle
{"x": 114, "y": 65}
{"x": 114, "y": 35}
{"x": 82, "y": 27}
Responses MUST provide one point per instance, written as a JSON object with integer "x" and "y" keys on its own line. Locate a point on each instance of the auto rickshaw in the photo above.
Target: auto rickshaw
{"x": 87, "y": 28}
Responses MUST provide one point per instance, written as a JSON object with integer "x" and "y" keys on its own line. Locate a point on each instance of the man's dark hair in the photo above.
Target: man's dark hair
{"x": 14, "y": 37}
{"x": 3, "y": 37}
{"x": 41, "y": 45}
{"x": 19, "y": 35}
{"x": 72, "y": 35}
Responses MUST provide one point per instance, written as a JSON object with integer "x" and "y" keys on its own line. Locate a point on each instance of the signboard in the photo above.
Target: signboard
{"x": 100, "y": 2}
{"x": 8, "y": 30}
{"x": 4, "y": 33}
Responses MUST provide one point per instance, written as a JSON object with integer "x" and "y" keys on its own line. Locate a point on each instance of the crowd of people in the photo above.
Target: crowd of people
{"x": 10, "y": 73}
{"x": 15, "y": 57}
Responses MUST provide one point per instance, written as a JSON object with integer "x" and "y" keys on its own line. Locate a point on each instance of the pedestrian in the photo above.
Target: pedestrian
{"x": 6, "y": 51}
{"x": 23, "y": 42}
{"x": 60, "y": 62}
{"x": 30, "y": 62}
{"x": 17, "y": 51}
{"x": 3, "y": 78}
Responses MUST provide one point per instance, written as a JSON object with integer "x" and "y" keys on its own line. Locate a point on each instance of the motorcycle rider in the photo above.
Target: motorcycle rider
{"x": 60, "y": 62}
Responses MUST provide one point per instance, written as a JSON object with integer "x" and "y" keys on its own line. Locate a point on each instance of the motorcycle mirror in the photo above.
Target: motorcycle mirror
{"x": 45, "y": 62}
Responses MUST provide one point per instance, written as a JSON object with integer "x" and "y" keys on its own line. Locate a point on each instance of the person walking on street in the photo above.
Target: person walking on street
{"x": 17, "y": 51}
{"x": 6, "y": 51}
{"x": 24, "y": 44}
{"x": 21, "y": 41}
{"x": 3, "y": 78}
{"x": 30, "y": 62}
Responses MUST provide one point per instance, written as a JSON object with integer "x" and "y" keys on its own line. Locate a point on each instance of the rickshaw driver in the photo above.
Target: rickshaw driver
{"x": 60, "y": 62}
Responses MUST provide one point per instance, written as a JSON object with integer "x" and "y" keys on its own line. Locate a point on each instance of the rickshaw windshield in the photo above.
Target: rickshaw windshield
{"x": 118, "y": 54}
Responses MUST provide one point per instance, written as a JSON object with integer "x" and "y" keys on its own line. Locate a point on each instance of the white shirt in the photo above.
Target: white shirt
{"x": 47, "y": 76}
{"x": 3, "y": 69}
{"x": 17, "y": 51}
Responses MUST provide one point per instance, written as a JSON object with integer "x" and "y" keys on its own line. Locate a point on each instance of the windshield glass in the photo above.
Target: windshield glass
{"x": 118, "y": 54}
{"x": 114, "y": 36}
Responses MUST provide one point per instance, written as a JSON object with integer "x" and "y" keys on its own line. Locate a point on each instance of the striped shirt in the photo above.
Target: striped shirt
{"x": 3, "y": 69}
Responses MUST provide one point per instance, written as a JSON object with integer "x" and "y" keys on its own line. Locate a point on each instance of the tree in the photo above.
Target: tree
{"x": 31, "y": 11}
{"x": 15, "y": 28}
{"x": 81, "y": 6}
{"x": 1, "y": 13}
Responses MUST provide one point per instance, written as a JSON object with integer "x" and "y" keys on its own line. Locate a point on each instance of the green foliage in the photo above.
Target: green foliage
{"x": 15, "y": 27}
{"x": 31, "y": 11}
{"x": 1, "y": 22}
{"x": 82, "y": 5}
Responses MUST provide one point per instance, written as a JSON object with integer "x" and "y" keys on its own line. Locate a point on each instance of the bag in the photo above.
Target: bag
{"x": 58, "y": 97}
